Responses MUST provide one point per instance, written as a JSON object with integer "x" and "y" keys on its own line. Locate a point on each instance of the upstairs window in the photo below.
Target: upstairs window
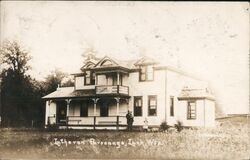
{"x": 89, "y": 78}
{"x": 152, "y": 105}
{"x": 137, "y": 106}
{"x": 146, "y": 73}
{"x": 191, "y": 110}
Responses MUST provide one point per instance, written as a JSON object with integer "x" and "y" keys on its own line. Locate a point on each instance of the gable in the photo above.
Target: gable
{"x": 105, "y": 62}
{"x": 88, "y": 64}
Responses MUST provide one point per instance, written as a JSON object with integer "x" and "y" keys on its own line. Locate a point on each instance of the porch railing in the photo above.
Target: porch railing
{"x": 106, "y": 89}
{"x": 51, "y": 120}
{"x": 92, "y": 121}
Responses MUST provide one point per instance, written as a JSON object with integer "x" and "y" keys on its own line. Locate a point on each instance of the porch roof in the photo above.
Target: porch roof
{"x": 195, "y": 94}
{"x": 70, "y": 92}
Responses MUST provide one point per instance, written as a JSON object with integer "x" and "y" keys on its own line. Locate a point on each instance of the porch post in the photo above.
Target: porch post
{"x": 117, "y": 111}
{"x": 47, "y": 113}
{"x": 95, "y": 102}
{"x": 118, "y": 78}
{"x": 67, "y": 114}
{"x": 117, "y": 105}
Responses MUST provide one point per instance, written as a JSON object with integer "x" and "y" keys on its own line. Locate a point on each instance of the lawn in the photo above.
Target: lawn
{"x": 227, "y": 141}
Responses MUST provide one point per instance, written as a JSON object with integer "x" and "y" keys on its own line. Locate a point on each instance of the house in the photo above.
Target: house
{"x": 106, "y": 89}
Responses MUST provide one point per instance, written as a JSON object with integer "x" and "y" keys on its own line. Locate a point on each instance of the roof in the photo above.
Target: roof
{"x": 146, "y": 60}
{"x": 127, "y": 65}
{"x": 69, "y": 92}
{"x": 187, "y": 93}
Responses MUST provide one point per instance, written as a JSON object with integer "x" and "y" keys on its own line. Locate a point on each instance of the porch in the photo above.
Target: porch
{"x": 90, "y": 113}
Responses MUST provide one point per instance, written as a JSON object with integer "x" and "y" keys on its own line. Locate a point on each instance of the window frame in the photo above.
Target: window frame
{"x": 190, "y": 115}
{"x": 172, "y": 106}
{"x": 149, "y": 106}
{"x": 91, "y": 78}
{"x": 146, "y": 73}
{"x": 136, "y": 98}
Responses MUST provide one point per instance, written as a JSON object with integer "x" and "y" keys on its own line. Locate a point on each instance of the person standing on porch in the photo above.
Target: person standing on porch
{"x": 130, "y": 120}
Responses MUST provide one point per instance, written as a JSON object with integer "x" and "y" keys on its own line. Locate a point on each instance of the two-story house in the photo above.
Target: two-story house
{"x": 106, "y": 89}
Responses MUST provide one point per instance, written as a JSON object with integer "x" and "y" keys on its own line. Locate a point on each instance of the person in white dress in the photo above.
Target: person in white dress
{"x": 145, "y": 126}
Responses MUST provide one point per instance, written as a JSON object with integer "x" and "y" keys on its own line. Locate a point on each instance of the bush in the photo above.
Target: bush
{"x": 179, "y": 126}
{"x": 164, "y": 126}
{"x": 52, "y": 127}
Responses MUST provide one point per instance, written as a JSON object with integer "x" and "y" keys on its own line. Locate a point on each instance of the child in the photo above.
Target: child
{"x": 145, "y": 126}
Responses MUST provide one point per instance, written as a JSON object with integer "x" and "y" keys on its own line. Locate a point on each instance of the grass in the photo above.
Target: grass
{"x": 228, "y": 141}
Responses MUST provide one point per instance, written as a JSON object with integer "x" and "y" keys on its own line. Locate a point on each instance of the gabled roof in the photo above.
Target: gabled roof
{"x": 104, "y": 60}
{"x": 107, "y": 62}
{"x": 89, "y": 64}
{"x": 113, "y": 64}
{"x": 127, "y": 63}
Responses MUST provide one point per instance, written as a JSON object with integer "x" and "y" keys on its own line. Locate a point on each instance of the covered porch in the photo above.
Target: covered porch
{"x": 88, "y": 113}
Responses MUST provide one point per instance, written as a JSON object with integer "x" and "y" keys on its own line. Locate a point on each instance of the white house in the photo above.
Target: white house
{"x": 106, "y": 89}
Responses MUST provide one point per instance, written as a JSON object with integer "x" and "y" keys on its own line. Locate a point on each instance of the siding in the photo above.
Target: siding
{"x": 144, "y": 89}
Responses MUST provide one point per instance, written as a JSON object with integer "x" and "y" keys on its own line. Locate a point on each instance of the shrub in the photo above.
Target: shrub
{"x": 164, "y": 126}
{"x": 179, "y": 126}
{"x": 52, "y": 127}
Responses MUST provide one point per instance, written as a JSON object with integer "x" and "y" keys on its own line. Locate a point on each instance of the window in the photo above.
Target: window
{"x": 191, "y": 110}
{"x": 114, "y": 80}
{"x": 89, "y": 78}
{"x": 152, "y": 105}
{"x": 146, "y": 73}
{"x": 137, "y": 106}
{"x": 171, "y": 106}
{"x": 84, "y": 109}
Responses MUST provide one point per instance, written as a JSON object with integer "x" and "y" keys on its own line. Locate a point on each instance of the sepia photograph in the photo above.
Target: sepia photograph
{"x": 124, "y": 80}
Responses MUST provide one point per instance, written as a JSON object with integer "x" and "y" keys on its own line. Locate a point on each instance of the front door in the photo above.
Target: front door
{"x": 61, "y": 112}
{"x": 104, "y": 110}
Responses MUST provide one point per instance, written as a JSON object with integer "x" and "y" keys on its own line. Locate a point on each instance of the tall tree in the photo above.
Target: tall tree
{"x": 17, "y": 90}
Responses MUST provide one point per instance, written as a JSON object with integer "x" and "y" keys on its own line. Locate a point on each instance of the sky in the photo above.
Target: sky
{"x": 209, "y": 40}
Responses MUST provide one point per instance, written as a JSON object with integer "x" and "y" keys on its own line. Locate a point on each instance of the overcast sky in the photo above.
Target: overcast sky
{"x": 210, "y": 40}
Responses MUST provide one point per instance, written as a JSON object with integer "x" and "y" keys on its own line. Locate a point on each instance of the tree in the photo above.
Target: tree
{"x": 54, "y": 79}
{"x": 14, "y": 58}
{"x": 19, "y": 98}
